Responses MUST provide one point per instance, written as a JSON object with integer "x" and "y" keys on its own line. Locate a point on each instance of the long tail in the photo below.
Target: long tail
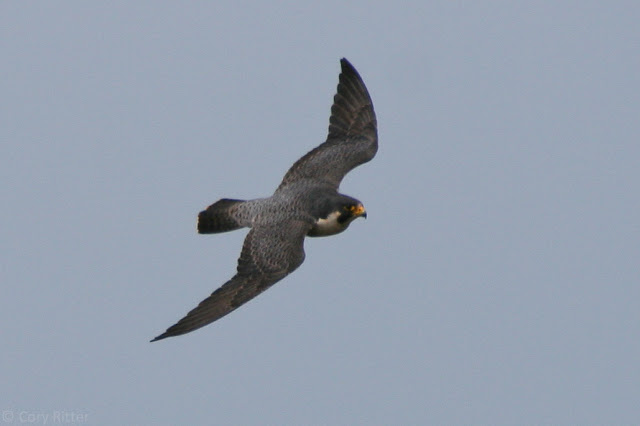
{"x": 222, "y": 216}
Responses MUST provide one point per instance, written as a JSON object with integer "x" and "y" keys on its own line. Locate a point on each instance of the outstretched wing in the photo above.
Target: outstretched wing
{"x": 353, "y": 135}
{"x": 270, "y": 252}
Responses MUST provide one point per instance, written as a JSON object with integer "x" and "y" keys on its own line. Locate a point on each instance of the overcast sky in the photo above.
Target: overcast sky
{"x": 495, "y": 281}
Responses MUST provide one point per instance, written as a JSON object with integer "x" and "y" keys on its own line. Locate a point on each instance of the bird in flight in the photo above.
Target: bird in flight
{"x": 307, "y": 203}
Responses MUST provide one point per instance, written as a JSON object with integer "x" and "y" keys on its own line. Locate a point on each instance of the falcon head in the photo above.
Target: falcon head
{"x": 337, "y": 218}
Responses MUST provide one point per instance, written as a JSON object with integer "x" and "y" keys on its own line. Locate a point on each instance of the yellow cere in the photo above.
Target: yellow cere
{"x": 357, "y": 210}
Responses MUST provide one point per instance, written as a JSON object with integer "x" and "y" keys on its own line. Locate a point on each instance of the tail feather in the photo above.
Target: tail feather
{"x": 221, "y": 216}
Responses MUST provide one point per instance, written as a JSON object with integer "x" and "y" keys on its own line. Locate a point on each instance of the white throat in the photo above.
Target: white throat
{"x": 329, "y": 225}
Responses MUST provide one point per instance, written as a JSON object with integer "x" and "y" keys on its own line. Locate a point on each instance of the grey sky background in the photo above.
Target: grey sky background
{"x": 494, "y": 282}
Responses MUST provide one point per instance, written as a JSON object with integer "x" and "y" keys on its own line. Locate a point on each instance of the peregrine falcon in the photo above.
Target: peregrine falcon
{"x": 307, "y": 203}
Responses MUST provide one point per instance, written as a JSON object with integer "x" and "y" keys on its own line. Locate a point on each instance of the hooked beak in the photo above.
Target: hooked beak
{"x": 359, "y": 211}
